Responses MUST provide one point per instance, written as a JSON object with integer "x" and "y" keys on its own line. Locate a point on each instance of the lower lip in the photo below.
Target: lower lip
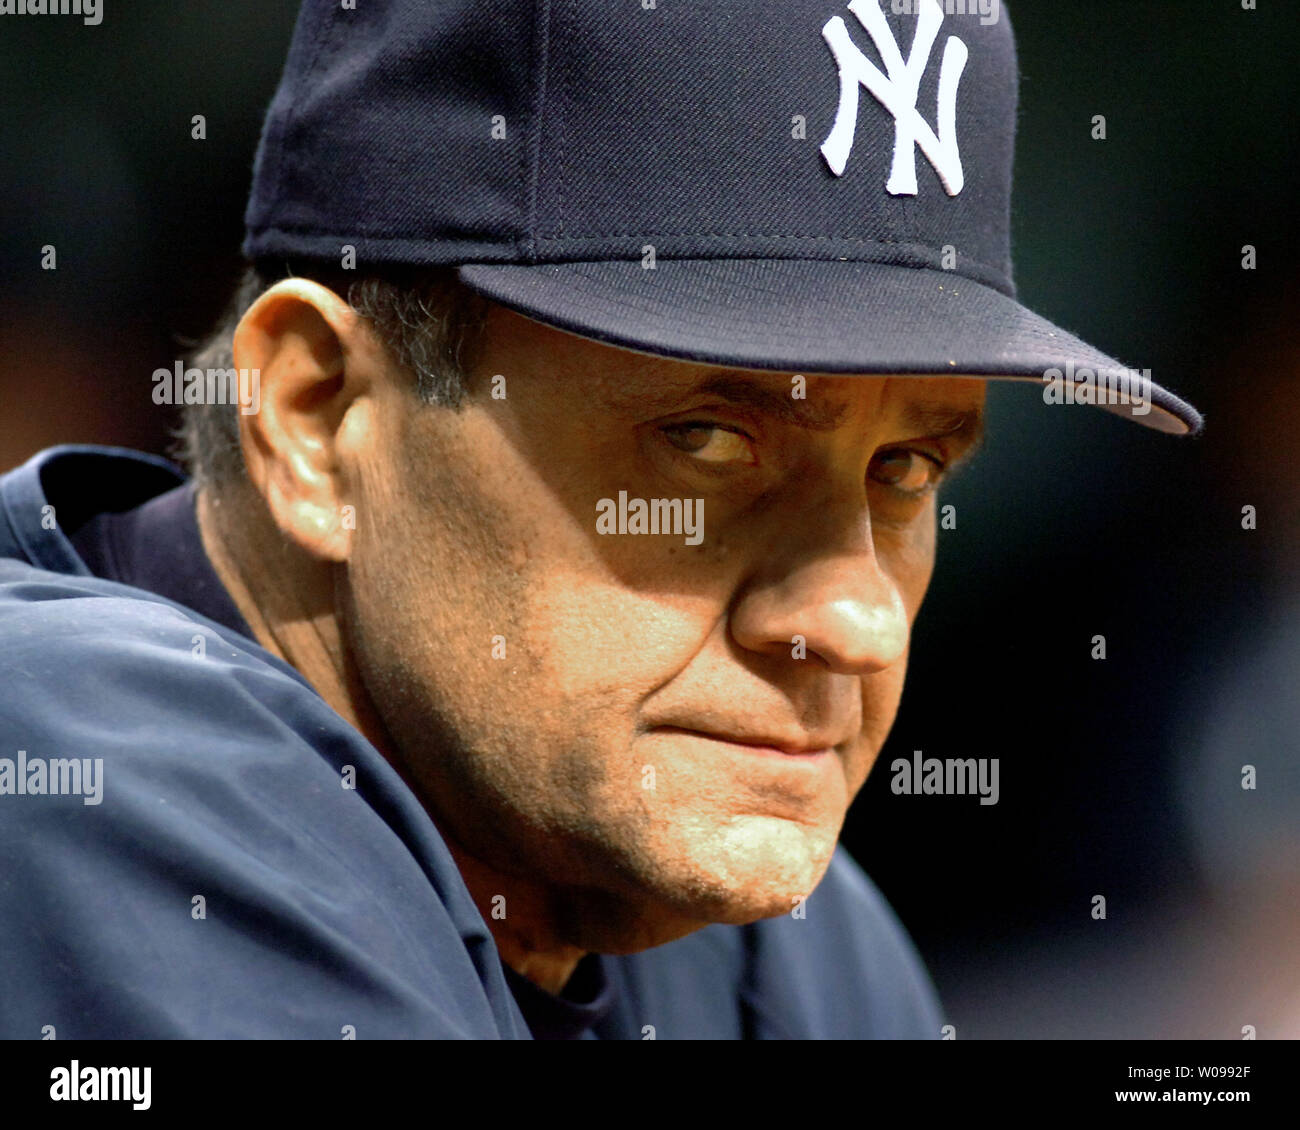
{"x": 810, "y": 758}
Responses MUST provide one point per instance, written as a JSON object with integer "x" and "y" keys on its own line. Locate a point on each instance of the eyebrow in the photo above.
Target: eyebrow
{"x": 799, "y": 413}
{"x": 964, "y": 426}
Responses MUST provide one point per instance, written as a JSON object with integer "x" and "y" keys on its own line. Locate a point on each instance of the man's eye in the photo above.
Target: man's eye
{"x": 912, "y": 472}
{"x": 711, "y": 443}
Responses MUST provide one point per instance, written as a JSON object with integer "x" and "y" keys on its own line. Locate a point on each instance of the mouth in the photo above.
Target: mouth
{"x": 812, "y": 746}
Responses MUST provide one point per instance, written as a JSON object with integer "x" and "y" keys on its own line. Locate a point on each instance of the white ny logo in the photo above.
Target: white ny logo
{"x": 898, "y": 94}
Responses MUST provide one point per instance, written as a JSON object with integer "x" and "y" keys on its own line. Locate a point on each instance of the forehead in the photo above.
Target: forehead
{"x": 813, "y": 403}
{"x": 630, "y": 383}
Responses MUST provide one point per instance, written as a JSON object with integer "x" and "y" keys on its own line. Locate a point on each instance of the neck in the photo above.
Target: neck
{"x": 515, "y": 911}
{"x": 290, "y": 609}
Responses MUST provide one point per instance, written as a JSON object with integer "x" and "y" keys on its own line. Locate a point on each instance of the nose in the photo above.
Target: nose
{"x": 835, "y": 597}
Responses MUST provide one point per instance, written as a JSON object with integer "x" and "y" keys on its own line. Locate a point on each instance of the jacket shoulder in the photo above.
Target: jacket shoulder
{"x": 180, "y": 855}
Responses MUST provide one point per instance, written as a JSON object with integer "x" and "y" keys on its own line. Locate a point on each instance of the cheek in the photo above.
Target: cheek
{"x": 434, "y": 580}
{"x": 907, "y": 556}
{"x": 497, "y": 603}
{"x": 605, "y": 649}
{"x": 881, "y": 694}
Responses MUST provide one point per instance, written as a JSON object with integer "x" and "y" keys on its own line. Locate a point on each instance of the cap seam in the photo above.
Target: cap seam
{"x": 532, "y": 150}
{"x": 560, "y": 136}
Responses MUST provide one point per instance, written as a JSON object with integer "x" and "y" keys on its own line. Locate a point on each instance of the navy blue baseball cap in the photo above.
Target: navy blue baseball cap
{"x": 794, "y": 185}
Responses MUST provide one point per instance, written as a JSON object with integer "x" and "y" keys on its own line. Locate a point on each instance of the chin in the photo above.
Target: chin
{"x": 753, "y": 868}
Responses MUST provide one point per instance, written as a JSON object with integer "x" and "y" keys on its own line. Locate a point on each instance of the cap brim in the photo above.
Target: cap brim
{"x": 816, "y": 316}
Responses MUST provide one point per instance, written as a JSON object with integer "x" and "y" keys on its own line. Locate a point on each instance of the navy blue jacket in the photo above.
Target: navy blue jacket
{"x": 225, "y": 884}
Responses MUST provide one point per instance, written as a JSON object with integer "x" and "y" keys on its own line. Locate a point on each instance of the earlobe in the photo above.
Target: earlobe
{"x": 296, "y": 338}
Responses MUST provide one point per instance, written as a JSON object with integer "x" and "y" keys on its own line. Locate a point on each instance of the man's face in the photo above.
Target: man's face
{"x": 666, "y": 734}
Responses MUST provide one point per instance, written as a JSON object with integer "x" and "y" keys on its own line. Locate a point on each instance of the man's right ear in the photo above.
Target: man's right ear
{"x": 300, "y": 344}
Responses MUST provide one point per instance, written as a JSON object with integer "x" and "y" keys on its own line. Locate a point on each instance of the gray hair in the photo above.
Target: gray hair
{"x": 427, "y": 321}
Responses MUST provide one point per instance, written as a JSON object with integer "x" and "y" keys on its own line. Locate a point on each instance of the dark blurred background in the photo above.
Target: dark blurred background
{"x": 1119, "y": 777}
